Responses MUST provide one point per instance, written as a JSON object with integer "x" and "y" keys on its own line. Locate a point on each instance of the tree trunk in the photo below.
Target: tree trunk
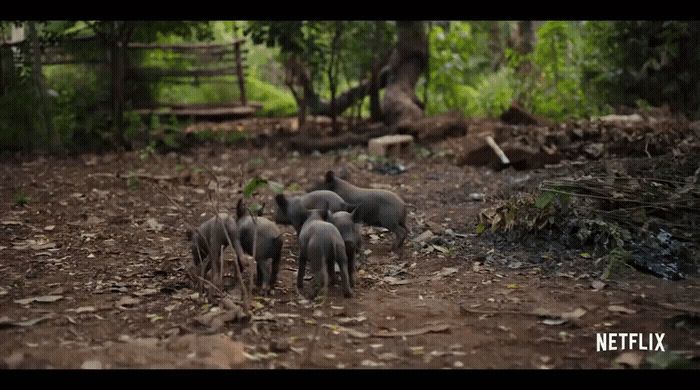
{"x": 333, "y": 75}
{"x": 400, "y": 104}
{"x": 526, "y": 36}
{"x": 39, "y": 85}
{"x": 375, "y": 108}
{"x": 121, "y": 35}
{"x": 495, "y": 44}
{"x": 117, "y": 92}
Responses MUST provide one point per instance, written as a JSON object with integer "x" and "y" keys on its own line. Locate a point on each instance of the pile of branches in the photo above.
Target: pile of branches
{"x": 535, "y": 145}
{"x": 647, "y": 209}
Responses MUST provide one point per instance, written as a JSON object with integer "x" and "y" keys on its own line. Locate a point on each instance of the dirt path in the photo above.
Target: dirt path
{"x": 108, "y": 253}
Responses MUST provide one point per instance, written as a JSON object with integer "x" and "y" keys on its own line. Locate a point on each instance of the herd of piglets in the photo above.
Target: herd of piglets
{"x": 327, "y": 224}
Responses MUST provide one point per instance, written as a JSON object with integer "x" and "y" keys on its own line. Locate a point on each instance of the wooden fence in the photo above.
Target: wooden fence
{"x": 208, "y": 62}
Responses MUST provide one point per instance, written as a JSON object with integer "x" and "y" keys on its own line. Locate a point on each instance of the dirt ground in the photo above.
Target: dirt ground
{"x": 104, "y": 255}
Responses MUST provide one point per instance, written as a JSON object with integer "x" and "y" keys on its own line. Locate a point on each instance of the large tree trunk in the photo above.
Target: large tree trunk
{"x": 495, "y": 44}
{"x": 526, "y": 36}
{"x": 39, "y": 85}
{"x": 400, "y": 104}
{"x": 375, "y": 107}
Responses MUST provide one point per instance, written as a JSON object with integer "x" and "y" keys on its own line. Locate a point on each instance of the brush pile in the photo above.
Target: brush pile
{"x": 535, "y": 145}
{"x": 646, "y": 209}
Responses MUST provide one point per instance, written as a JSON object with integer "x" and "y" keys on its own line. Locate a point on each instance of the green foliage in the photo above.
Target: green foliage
{"x": 617, "y": 261}
{"x": 132, "y": 182}
{"x": 256, "y": 183}
{"x": 22, "y": 199}
{"x": 554, "y": 85}
{"x": 652, "y": 61}
{"x": 460, "y": 74}
{"x": 253, "y": 185}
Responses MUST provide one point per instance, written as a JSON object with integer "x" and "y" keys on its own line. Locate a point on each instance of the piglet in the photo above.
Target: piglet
{"x": 208, "y": 241}
{"x": 321, "y": 244}
{"x": 374, "y": 207}
{"x": 268, "y": 245}
{"x": 292, "y": 210}
{"x": 347, "y": 225}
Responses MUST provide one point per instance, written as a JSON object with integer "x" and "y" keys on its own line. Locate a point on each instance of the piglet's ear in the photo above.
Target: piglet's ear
{"x": 330, "y": 177}
{"x": 350, "y": 208}
{"x": 324, "y": 211}
{"x": 240, "y": 209}
{"x": 356, "y": 215}
{"x": 281, "y": 201}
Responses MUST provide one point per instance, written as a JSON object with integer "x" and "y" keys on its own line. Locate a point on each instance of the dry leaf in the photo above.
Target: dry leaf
{"x": 352, "y": 320}
{"x": 42, "y": 299}
{"x": 124, "y": 302}
{"x": 392, "y": 281}
{"x": 7, "y": 322}
{"x": 576, "y": 314}
{"x": 85, "y": 309}
{"x": 146, "y": 291}
{"x": 446, "y": 271}
{"x": 415, "y": 332}
{"x": 598, "y": 285}
{"x": 554, "y": 321}
{"x": 621, "y": 309}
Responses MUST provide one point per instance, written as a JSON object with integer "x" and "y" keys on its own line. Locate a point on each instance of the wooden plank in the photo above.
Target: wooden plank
{"x": 162, "y": 72}
{"x": 208, "y": 113}
{"x": 184, "y": 46}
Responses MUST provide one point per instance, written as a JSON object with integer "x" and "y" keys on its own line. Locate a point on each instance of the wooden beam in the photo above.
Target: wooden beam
{"x": 184, "y": 46}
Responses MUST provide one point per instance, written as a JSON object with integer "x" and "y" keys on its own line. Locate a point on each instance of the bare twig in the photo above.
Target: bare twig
{"x": 464, "y": 310}
{"x": 235, "y": 245}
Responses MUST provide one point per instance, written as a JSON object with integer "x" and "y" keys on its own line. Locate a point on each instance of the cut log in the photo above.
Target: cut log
{"x": 429, "y": 129}
{"x": 517, "y": 115}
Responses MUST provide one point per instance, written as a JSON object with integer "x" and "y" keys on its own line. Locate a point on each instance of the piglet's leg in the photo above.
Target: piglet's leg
{"x": 302, "y": 270}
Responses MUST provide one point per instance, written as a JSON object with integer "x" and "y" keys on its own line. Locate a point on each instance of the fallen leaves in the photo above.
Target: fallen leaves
{"x": 145, "y": 292}
{"x": 84, "y": 309}
{"x": 152, "y": 224}
{"x": 351, "y": 332}
{"x": 127, "y": 303}
{"x": 215, "y": 320}
{"x": 352, "y": 320}
{"x": 446, "y": 271}
{"x": 392, "y": 281}
{"x": 6, "y": 322}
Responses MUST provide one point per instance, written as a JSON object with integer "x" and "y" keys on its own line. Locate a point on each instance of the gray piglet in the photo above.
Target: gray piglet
{"x": 347, "y": 225}
{"x": 321, "y": 244}
{"x": 292, "y": 210}
{"x": 207, "y": 241}
{"x": 374, "y": 207}
{"x": 268, "y": 246}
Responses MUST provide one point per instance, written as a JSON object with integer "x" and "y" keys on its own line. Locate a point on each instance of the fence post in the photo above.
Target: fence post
{"x": 239, "y": 71}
